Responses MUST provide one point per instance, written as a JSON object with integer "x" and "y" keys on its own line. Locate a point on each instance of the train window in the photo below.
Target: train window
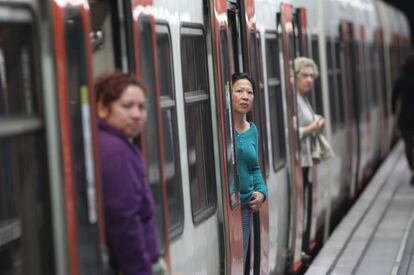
{"x": 259, "y": 107}
{"x": 301, "y": 33}
{"x": 365, "y": 85}
{"x": 170, "y": 135}
{"x": 12, "y": 103}
{"x": 359, "y": 104}
{"x": 198, "y": 123}
{"x": 232, "y": 174}
{"x": 274, "y": 86}
{"x": 316, "y": 95}
{"x": 373, "y": 69}
{"x": 382, "y": 74}
{"x": 339, "y": 83}
{"x": 26, "y": 245}
{"x": 152, "y": 137}
{"x": 80, "y": 125}
{"x": 391, "y": 52}
{"x": 331, "y": 85}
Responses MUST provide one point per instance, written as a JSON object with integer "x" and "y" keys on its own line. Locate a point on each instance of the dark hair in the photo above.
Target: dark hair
{"x": 238, "y": 76}
{"x": 110, "y": 86}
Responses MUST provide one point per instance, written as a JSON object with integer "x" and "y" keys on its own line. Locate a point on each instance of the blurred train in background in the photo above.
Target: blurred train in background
{"x": 186, "y": 51}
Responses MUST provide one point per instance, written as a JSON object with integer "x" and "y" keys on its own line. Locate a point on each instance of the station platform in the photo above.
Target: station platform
{"x": 377, "y": 234}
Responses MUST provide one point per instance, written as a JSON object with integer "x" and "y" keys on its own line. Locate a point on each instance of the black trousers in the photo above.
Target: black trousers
{"x": 307, "y": 209}
{"x": 408, "y": 137}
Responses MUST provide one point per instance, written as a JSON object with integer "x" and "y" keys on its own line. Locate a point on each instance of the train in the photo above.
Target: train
{"x": 51, "y": 216}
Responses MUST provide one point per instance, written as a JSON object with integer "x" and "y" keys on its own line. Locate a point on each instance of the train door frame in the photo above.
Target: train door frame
{"x": 122, "y": 20}
{"x": 242, "y": 26}
{"x": 278, "y": 193}
{"x": 301, "y": 30}
{"x": 87, "y": 103}
{"x": 379, "y": 43}
{"x": 261, "y": 219}
{"x": 348, "y": 39}
{"x": 366, "y": 92}
{"x": 141, "y": 11}
{"x": 302, "y": 47}
{"x": 122, "y": 34}
{"x": 317, "y": 96}
{"x": 251, "y": 49}
{"x": 168, "y": 104}
{"x": 231, "y": 207}
{"x": 295, "y": 170}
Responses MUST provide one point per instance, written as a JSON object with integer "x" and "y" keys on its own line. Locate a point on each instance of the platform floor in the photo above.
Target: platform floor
{"x": 377, "y": 234}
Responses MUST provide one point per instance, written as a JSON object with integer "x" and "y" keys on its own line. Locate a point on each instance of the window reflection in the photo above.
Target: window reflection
{"x": 170, "y": 132}
{"x": 26, "y": 246}
{"x": 276, "y": 104}
{"x": 152, "y": 137}
{"x": 198, "y": 125}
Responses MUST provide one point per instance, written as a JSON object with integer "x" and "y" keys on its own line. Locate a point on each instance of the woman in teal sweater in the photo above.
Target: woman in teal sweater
{"x": 253, "y": 190}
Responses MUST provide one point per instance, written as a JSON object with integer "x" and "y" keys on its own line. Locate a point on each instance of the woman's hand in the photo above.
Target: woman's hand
{"x": 295, "y": 123}
{"x": 256, "y": 201}
{"x": 314, "y": 126}
{"x": 318, "y": 123}
{"x": 159, "y": 267}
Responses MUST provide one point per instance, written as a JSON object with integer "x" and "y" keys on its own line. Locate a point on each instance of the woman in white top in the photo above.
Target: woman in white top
{"x": 308, "y": 123}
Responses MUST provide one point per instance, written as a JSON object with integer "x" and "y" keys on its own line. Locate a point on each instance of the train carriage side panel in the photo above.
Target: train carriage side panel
{"x": 201, "y": 221}
{"x": 266, "y": 12}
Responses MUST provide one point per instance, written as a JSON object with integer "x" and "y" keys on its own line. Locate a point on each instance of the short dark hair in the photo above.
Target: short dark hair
{"x": 110, "y": 86}
{"x": 237, "y": 76}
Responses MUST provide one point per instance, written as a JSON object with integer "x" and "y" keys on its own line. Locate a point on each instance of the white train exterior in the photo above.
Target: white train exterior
{"x": 186, "y": 52}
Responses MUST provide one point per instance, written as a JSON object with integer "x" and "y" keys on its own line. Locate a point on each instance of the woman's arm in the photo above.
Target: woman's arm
{"x": 260, "y": 189}
{"x": 258, "y": 181}
{"x": 314, "y": 126}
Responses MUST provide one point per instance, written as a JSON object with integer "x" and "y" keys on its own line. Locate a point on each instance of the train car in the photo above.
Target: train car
{"x": 50, "y": 215}
{"x": 186, "y": 51}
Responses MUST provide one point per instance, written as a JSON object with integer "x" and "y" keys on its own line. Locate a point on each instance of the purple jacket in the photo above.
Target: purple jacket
{"x": 128, "y": 204}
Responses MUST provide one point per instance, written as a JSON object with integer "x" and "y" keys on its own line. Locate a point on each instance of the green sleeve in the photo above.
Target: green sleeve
{"x": 258, "y": 182}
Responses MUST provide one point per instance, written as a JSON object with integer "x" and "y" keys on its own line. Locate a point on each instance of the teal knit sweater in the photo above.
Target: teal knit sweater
{"x": 250, "y": 175}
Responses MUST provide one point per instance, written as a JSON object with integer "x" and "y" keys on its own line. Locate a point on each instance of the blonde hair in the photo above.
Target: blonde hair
{"x": 304, "y": 62}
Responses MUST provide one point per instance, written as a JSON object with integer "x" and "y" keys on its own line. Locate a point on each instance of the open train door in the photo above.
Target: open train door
{"x": 367, "y": 138}
{"x": 77, "y": 121}
{"x": 310, "y": 203}
{"x": 385, "y": 140}
{"x": 352, "y": 110}
{"x": 229, "y": 189}
{"x": 286, "y": 25}
{"x": 251, "y": 52}
{"x": 151, "y": 141}
{"x": 259, "y": 248}
{"x": 244, "y": 53}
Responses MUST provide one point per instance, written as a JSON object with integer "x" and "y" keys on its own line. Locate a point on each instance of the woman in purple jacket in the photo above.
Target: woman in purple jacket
{"x": 128, "y": 201}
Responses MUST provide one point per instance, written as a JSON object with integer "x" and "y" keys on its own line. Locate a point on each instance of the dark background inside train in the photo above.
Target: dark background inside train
{"x": 406, "y": 6}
